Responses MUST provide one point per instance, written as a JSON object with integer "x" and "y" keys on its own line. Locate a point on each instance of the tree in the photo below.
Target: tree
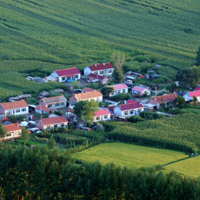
{"x": 2, "y": 132}
{"x": 180, "y": 101}
{"x": 106, "y": 91}
{"x": 86, "y": 109}
{"x": 25, "y": 135}
{"x": 118, "y": 61}
{"x": 51, "y": 143}
{"x": 198, "y": 57}
{"x": 189, "y": 77}
{"x": 195, "y": 100}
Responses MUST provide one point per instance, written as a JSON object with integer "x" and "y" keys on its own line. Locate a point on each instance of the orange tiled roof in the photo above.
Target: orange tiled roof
{"x": 15, "y": 104}
{"x": 87, "y": 95}
{"x": 12, "y": 127}
{"x": 165, "y": 98}
{"x": 86, "y": 89}
{"x": 53, "y": 120}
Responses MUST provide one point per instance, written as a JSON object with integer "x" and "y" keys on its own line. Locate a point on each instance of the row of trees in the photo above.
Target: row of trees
{"x": 40, "y": 173}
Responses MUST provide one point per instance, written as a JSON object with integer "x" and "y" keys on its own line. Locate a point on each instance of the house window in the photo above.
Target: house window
{"x": 124, "y": 90}
{"x": 62, "y": 125}
{"x": 119, "y": 91}
{"x": 23, "y": 109}
{"x": 68, "y": 78}
{"x": 125, "y": 112}
{"x": 131, "y": 112}
{"x": 62, "y": 104}
{"x": 63, "y": 78}
{"x": 95, "y": 72}
{"x": 57, "y": 104}
{"x": 101, "y": 72}
{"x": 76, "y": 76}
{"x": 8, "y": 134}
{"x": 50, "y": 105}
{"x": 110, "y": 71}
{"x": 17, "y": 110}
{"x": 98, "y": 118}
{"x": 105, "y": 116}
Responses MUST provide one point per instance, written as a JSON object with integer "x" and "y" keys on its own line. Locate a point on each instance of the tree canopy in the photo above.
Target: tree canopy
{"x": 25, "y": 135}
{"x": 106, "y": 91}
{"x": 189, "y": 77}
{"x": 198, "y": 57}
{"x": 86, "y": 109}
{"x": 2, "y": 132}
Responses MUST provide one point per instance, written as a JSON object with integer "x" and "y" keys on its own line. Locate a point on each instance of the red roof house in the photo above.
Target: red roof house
{"x": 101, "y": 115}
{"x": 97, "y": 77}
{"x": 14, "y": 108}
{"x": 128, "y": 110}
{"x": 188, "y": 96}
{"x": 52, "y": 122}
{"x": 119, "y": 88}
{"x": 12, "y": 131}
{"x": 104, "y": 69}
{"x": 63, "y": 75}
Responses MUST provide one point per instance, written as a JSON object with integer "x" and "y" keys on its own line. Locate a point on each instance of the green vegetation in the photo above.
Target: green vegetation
{"x": 179, "y": 132}
{"x": 127, "y": 155}
{"x": 39, "y": 36}
{"x": 188, "y": 167}
{"x": 50, "y": 174}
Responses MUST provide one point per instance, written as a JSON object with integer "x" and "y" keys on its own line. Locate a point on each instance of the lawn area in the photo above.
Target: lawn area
{"x": 188, "y": 167}
{"x": 128, "y": 155}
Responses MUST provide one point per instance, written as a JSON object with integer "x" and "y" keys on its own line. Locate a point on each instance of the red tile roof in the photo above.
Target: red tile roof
{"x": 101, "y": 112}
{"x": 53, "y": 120}
{"x": 86, "y": 89}
{"x": 130, "y": 106}
{"x": 88, "y": 95}
{"x": 42, "y": 107}
{"x": 68, "y": 72}
{"x": 194, "y": 93}
{"x": 165, "y": 98}
{"x": 138, "y": 88}
{"x": 197, "y": 88}
{"x": 101, "y": 66}
{"x": 15, "y": 104}
{"x": 12, "y": 127}
{"x": 95, "y": 76}
{"x": 118, "y": 86}
{"x": 131, "y": 101}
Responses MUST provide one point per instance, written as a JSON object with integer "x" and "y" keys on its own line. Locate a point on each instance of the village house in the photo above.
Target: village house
{"x": 86, "y": 89}
{"x": 95, "y": 95}
{"x": 141, "y": 90}
{"x": 104, "y": 69}
{"x": 99, "y": 78}
{"x": 12, "y": 131}
{"x": 14, "y": 108}
{"x": 46, "y": 104}
{"x": 129, "y": 109}
{"x": 188, "y": 96}
{"x": 167, "y": 99}
{"x": 52, "y": 122}
{"x": 119, "y": 88}
{"x": 65, "y": 75}
{"x": 101, "y": 115}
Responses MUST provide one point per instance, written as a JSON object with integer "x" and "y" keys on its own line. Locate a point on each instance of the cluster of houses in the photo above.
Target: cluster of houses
{"x": 100, "y": 72}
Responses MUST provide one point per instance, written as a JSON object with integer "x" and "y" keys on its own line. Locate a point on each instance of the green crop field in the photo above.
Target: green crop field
{"x": 128, "y": 155}
{"x": 188, "y": 167}
{"x": 59, "y": 34}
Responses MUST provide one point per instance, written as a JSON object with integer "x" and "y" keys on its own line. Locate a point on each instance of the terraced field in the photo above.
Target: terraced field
{"x": 51, "y": 35}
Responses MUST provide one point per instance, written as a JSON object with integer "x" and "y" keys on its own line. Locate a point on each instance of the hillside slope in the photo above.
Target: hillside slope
{"x": 53, "y": 34}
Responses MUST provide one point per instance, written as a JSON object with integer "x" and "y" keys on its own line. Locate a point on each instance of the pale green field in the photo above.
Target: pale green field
{"x": 128, "y": 155}
{"x": 189, "y": 167}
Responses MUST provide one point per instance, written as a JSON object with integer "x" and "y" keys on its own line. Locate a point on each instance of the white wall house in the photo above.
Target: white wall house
{"x": 87, "y": 96}
{"x": 104, "y": 69}
{"x": 141, "y": 90}
{"x": 101, "y": 115}
{"x": 188, "y": 96}
{"x": 12, "y": 131}
{"x": 52, "y": 122}
{"x": 119, "y": 88}
{"x": 14, "y": 108}
{"x": 128, "y": 110}
{"x": 65, "y": 75}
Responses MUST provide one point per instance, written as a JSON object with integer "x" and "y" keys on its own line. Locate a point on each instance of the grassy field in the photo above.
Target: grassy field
{"x": 188, "y": 167}
{"x": 58, "y": 34}
{"x": 127, "y": 155}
